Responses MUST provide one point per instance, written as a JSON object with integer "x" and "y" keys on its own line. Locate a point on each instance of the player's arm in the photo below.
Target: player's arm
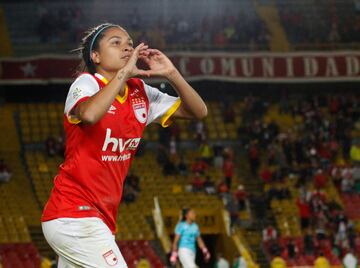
{"x": 192, "y": 105}
{"x": 93, "y": 109}
{"x": 176, "y": 242}
{"x": 203, "y": 248}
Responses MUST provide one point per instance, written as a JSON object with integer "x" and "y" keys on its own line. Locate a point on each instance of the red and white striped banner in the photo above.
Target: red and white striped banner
{"x": 238, "y": 67}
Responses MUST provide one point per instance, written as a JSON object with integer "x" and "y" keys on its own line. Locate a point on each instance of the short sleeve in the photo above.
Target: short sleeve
{"x": 82, "y": 88}
{"x": 197, "y": 234}
{"x": 161, "y": 106}
{"x": 179, "y": 229}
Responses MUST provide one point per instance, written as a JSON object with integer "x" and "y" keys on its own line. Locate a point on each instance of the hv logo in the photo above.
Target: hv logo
{"x": 119, "y": 144}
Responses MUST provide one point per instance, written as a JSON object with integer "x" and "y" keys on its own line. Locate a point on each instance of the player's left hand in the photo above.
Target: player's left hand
{"x": 206, "y": 254}
{"x": 159, "y": 64}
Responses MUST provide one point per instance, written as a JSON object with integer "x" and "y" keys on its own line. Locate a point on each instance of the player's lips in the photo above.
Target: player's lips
{"x": 126, "y": 57}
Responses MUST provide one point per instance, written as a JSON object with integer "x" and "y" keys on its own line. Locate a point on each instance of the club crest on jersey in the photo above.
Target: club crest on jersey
{"x": 110, "y": 258}
{"x": 139, "y": 108}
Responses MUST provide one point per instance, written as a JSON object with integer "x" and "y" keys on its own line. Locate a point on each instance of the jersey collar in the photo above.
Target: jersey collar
{"x": 120, "y": 99}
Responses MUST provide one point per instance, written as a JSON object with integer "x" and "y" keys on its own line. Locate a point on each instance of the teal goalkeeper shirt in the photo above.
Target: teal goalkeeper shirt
{"x": 188, "y": 234}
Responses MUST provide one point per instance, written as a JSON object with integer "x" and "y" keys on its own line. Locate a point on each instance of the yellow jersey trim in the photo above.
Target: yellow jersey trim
{"x": 102, "y": 78}
{"x": 73, "y": 120}
{"x": 119, "y": 98}
{"x": 165, "y": 119}
{"x": 122, "y": 99}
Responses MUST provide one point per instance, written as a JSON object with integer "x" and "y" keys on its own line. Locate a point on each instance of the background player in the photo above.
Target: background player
{"x": 106, "y": 111}
{"x": 187, "y": 233}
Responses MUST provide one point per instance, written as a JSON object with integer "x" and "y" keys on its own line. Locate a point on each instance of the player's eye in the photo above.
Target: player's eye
{"x": 117, "y": 42}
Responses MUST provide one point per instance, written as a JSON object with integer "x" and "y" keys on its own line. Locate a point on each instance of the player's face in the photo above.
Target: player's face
{"x": 115, "y": 49}
{"x": 191, "y": 215}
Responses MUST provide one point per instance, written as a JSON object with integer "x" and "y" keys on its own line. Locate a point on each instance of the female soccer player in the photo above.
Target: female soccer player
{"x": 106, "y": 111}
{"x": 187, "y": 233}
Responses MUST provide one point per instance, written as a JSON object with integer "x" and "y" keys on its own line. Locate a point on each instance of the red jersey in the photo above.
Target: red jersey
{"x": 97, "y": 157}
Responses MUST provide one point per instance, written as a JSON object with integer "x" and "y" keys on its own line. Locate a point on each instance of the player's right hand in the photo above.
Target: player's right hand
{"x": 173, "y": 257}
{"x": 130, "y": 69}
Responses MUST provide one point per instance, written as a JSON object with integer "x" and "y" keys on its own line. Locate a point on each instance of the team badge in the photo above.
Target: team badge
{"x": 139, "y": 108}
{"x": 110, "y": 258}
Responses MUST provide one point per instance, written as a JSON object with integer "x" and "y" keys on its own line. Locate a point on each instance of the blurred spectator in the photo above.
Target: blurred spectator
{"x": 222, "y": 187}
{"x": 206, "y": 152}
{"x": 200, "y": 131}
{"x": 221, "y": 262}
{"x": 355, "y": 152}
{"x": 308, "y": 243}
{"x": 231, "y": 206}
{"x": 269, "y": 233}
{"x": 321, "y": 261}
{"x": 320, "y": 228}
{"x": 320, "y": 179}
{"x": 241, "y": 197}
{"x": 218, "y": 156}
{"x": 304, "y": 211}
{"x": 143, "y": 263}
{"x": 239, "y": 262}
{"x": 278, "y": 192}
{"x": 45, "y": 263}
{"x": 197, "y": 183}
{"x": 5, "y": 173}
{"x": 199, "y": 166}
{"x": 55, "y": 146}
{"x": 228, "y": 171}
{"x": 266, "y": 174}
{"x": 347, "y": 184}
{"x": 292, "y": 249}
{"x": 173, "y": 148}
{"x": 209, "y": 186}
{"x": 278, "y": 262}
{"x": 350, "y": 260}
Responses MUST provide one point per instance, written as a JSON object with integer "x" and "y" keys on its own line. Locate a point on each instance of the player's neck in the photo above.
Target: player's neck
{"x": 189, "y": 221}
{"x": 108, "y": 75}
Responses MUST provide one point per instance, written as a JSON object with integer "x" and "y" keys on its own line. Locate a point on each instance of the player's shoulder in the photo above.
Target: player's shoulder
{"x": 85, "y": 79}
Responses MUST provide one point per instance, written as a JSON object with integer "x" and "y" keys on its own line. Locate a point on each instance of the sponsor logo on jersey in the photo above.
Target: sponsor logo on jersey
{"x": 118, "y": 144}
{"x": 135, "y": 92}
{"x": 76, "y": 93}
{"x": 139, "y": 107}
{"x": 112, "y": 109}
{"x": 110, "y": 258}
